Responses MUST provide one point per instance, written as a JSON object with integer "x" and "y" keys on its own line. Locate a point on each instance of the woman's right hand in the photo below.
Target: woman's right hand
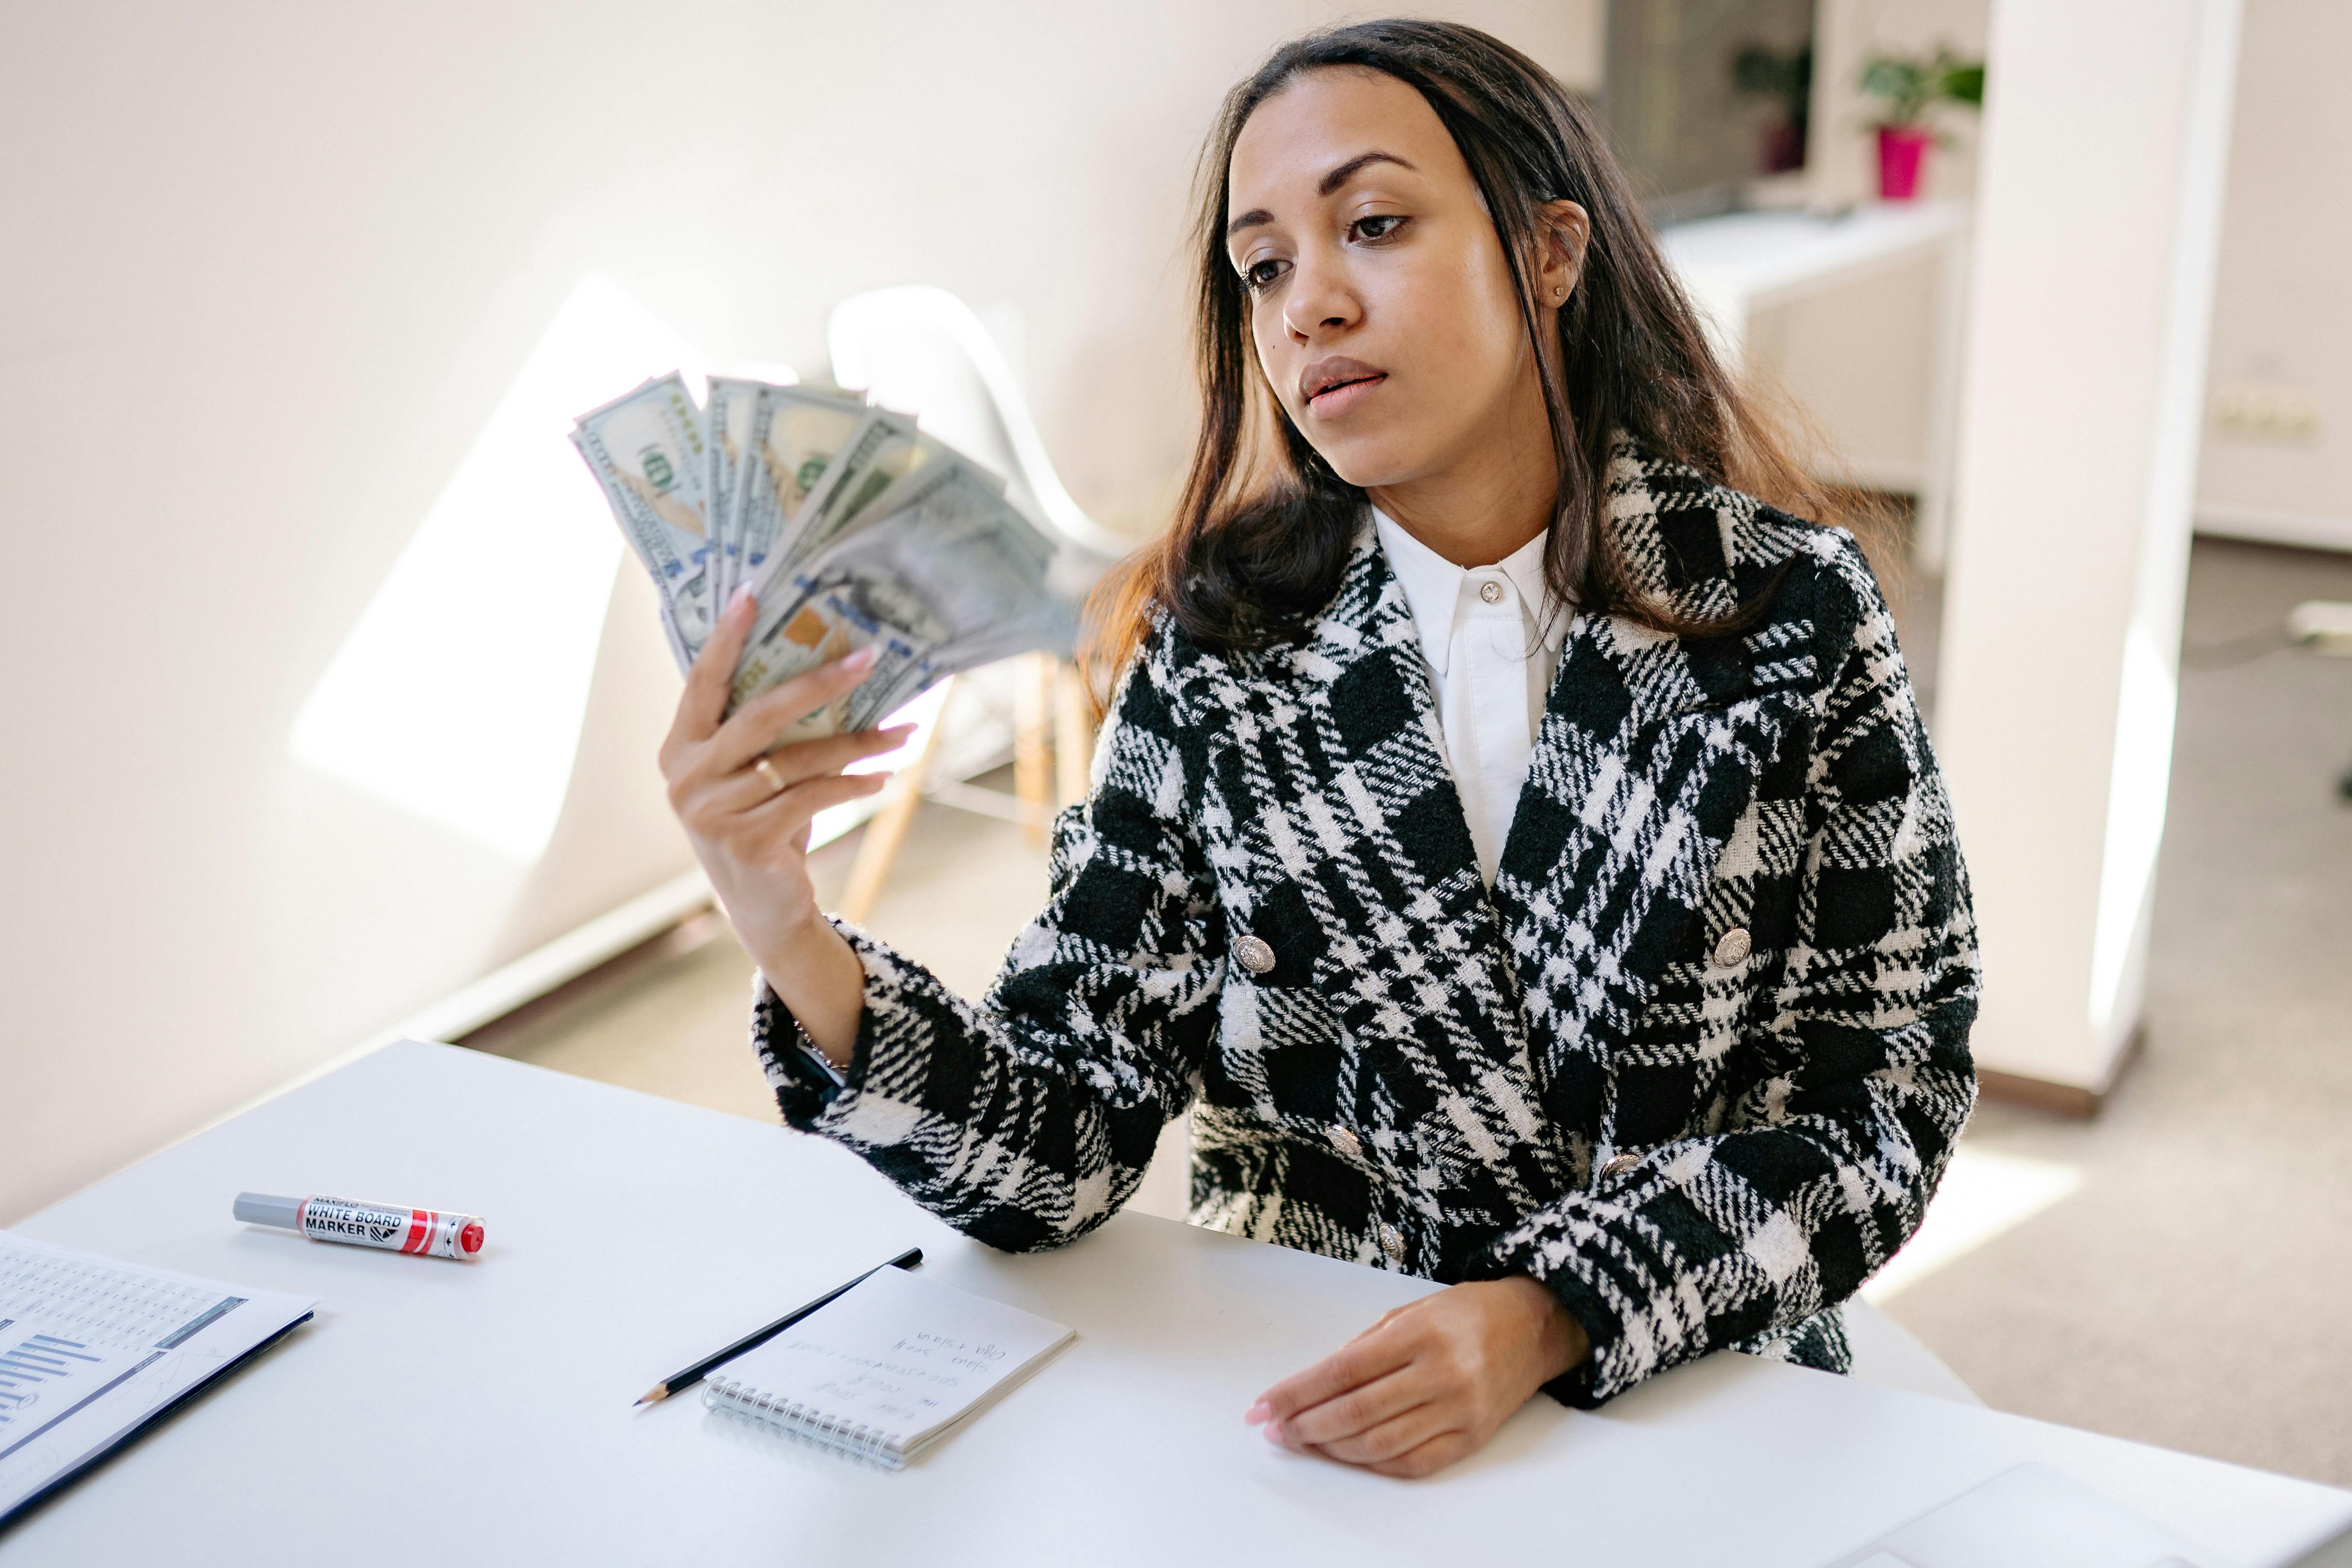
{"x": 751, "y": 831}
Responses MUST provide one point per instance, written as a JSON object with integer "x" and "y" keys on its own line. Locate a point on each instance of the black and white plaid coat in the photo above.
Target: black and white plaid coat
{"x": 1697, "y": 1139}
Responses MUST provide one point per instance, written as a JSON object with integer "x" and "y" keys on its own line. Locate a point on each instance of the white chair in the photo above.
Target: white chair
{"x": 922, "y": 351}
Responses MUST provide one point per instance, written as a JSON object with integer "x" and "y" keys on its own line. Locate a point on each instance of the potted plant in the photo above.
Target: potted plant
{"x": 1910, "y": 88}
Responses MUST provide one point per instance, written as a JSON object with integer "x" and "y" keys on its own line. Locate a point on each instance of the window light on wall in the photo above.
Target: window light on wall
{"x": 459, "y": 693}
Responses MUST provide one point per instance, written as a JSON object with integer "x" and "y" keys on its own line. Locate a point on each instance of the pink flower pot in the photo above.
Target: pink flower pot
{"x": 1902, "y": 153}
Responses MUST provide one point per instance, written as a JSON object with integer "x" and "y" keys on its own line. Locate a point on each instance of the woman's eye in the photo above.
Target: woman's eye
{"x": 1376, "y": 228}
{"x": 1261, "y": 274}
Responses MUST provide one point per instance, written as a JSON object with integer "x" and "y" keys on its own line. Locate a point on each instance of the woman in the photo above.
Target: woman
{"x": 1517, "y": 846}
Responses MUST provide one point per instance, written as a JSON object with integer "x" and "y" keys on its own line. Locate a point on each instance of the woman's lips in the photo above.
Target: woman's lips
{"x": 1336, "y": 382}
{"x": 1339, "y": 399}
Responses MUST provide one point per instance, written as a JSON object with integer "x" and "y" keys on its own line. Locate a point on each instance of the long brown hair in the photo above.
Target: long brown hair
{"x": 1263, "y": 531}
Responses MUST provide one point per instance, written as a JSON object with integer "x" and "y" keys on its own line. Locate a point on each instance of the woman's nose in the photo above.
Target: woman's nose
{"x": 1318, "y": 301}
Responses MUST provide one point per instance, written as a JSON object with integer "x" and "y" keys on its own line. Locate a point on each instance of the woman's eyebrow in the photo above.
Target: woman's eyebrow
{"x": 1323, "y": 187}
{"x": 1347, "y": 170}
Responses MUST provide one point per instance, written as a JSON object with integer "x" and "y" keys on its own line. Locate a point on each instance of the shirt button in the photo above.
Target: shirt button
{"x": 1393, "y": 1243}
{"x": 1733, "y": 947}
{"x": 1254, "y": 954}
{"x": 1491, "y": 591}
{"x": 1621, "y": 1164}
{"x": 1346, "y": 1142}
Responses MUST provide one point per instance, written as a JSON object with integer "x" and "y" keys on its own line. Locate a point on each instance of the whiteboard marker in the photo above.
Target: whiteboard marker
{"x": 428, "y": 1233}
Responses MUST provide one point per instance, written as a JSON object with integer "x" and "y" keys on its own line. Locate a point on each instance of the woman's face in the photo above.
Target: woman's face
{"x": 1382, "y": 305}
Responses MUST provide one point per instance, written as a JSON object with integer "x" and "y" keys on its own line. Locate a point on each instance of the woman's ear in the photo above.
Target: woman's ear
{"x": 1563, "y": 230}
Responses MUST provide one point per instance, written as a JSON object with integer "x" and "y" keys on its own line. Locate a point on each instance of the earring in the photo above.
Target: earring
{"x": 1560, "y": 293}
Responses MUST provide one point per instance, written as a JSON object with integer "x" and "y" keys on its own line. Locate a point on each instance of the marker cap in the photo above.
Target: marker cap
{"x": 262, "y": 1209}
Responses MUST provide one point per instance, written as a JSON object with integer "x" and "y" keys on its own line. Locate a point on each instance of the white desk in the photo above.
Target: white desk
{"x": 447, "y": 1414}
{"x": 1740, "y": 263}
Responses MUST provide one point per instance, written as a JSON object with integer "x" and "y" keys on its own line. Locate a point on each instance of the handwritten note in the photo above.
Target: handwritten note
{"x": 893, "y": 1364}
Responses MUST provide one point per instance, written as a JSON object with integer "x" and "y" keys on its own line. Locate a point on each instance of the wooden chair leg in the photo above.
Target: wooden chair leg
{"x": 1033, "y": 706}
{"x": 885, "y": 830}
{"x": 1073, "y": 734}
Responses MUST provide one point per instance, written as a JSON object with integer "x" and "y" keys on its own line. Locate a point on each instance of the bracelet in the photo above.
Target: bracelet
{"x": 814, "y": 1058}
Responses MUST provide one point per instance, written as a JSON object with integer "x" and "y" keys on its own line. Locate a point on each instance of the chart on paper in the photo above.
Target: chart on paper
{"x": 44, "y": 1376}
{"x": 90, "y": 1347}
{"x": 94, "y": 1300}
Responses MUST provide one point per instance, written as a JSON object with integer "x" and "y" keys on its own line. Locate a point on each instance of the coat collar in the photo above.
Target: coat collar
{"x": 1434, "y": 588}
{"x": 1686, "y": 542}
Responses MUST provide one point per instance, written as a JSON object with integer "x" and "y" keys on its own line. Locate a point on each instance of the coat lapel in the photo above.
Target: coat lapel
{"x": 1649, "y": 754}
{"x": 1371, "y": 850}
{"x": 1376, "y": 793}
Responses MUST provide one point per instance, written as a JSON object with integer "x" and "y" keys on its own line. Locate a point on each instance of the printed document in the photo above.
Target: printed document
{"x": 91, "y": 1348}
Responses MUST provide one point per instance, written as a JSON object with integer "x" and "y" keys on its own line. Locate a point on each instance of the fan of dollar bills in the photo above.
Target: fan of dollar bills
{"x": 849, "y": 524}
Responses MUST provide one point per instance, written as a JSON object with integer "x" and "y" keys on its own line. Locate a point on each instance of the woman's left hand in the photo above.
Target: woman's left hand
{"x": 1429, "y": 1382}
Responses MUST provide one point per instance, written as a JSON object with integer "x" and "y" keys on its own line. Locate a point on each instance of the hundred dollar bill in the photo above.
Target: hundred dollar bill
{"x": 792, "y": 433}
{"x": 950, "y": 511}
{"x": 1054, "y": 624}
{"x": 901, "y": 673}
{"x": 647, "y": 450}
{"x": 953, "y": 571}
{"x": 806, "y": 620}
{"x": 820, "y": 623}
{"x": 883, "y": 449}
{"x": 958, "y": 553}
{"x": 855, "y": 529}
{"x": 726, "y": 420}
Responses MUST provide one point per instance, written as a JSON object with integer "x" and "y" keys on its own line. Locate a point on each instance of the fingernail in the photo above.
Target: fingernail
{"x": 864, "y": 658}
{"x": 1257, "y": 1413}
{"x": 743, "y": 596}
{"x": 1273, "y": 1430}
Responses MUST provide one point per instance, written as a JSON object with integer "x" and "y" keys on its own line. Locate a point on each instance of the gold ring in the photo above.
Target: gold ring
{"x": 767, "y": 771}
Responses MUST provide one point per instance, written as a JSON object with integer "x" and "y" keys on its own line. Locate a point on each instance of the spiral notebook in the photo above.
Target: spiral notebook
{"x": 889, "y": 1369}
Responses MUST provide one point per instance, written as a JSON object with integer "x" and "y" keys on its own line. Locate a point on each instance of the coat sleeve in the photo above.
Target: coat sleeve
{"x": 1825, "y": 1168}
{"x": 1029, "y": 1119}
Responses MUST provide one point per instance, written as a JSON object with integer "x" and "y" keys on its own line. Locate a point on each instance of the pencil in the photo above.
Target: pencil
{"x": 693, "y": 1375}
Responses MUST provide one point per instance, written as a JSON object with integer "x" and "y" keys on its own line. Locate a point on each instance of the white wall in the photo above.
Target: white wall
{"x": 2282, "y": 320}
{"x": 1564, "y": 37}
{"x": 271, "y": 265}
{"x": 2282, "y": 316}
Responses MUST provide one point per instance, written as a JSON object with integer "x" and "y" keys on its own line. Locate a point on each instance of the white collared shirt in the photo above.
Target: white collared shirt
{"x": 1494, "y": 664}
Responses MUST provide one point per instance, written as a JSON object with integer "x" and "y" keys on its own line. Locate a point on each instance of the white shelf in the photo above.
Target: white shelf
{"x": 1767, "y": 259}
{"x": 1740, "y": 263}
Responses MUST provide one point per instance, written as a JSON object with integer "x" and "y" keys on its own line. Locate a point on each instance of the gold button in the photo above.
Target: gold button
{"x": 1734, "y": 946}
{"x": 1621, "y": 1164}
{"x": 1393, "y": 1243}
{"x": 1346, "y": 1142}
{"x": 1254, "y": 954}
{"x": 1491, "y": 591}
